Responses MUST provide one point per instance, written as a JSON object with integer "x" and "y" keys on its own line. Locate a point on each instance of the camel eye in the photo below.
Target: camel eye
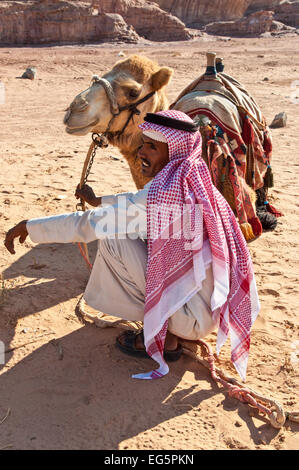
{"x": 133, "y": 93}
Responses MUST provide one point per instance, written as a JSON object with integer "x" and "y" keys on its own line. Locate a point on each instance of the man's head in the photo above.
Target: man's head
{"x": 153, "y": 153}
{"x": 167, "y": 135}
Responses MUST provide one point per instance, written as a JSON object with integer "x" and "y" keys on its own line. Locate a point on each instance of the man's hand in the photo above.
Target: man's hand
{"x": 86, "y": 193}
{"x": 20, "y": 231}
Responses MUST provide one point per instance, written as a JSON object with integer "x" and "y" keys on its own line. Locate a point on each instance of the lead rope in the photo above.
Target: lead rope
{"x": 266, "y": 406}
{"x": 97, "y": 141}
{"x": 102, "y": 142}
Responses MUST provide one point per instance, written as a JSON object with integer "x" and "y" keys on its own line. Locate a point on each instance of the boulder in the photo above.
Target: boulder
{"x": 29, "y": 73}
{"x": 288, "y": 13}
{"x": 280, "y": 120}
{"x": 148, "y": 19}
{"x": 277, "y": 28}
{"x": 253, "y": 25}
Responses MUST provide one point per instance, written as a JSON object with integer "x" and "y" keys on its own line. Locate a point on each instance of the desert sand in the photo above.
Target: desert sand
{"x": 64, "y": 384}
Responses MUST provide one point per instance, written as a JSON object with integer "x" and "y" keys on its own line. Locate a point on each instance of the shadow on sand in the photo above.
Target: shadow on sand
{"x": 85, "y": 398}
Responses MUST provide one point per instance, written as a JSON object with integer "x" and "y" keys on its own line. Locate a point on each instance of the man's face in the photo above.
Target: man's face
{"x": 153, "y": 155}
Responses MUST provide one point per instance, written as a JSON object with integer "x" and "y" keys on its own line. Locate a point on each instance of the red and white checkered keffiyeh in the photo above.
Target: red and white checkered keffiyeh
{"x": 176, "y": 269}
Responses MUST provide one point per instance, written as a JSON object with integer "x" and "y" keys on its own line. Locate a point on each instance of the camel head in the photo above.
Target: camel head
{"x": 130, "y": 80}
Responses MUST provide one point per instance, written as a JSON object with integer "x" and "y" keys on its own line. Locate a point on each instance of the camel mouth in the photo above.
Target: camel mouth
{"x": 81, "y": 130}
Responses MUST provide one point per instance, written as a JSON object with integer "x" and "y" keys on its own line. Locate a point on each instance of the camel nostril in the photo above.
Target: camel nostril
{"x": 78, "y": 105}
{"x": 67, "y": 115}
{"x": 72, "y": 106}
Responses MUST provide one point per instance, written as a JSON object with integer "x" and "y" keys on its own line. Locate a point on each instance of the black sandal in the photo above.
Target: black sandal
{"x": 129, "y": 347}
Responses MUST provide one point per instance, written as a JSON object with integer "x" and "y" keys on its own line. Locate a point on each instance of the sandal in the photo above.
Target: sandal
{"x": 129, "y": 347}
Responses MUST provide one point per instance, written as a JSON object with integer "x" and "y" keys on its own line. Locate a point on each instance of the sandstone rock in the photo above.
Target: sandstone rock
{"x": 280, "y": 28}
{"x": 60, "y": 21}
{"x": 48, "y": 21}
{"x": 288, "y": 13}
{"x": 253, "y": 25}
{"x": 258, "y": 5}
{"x": 114, "y": 28}
{"x": 195, "y": 13}
{"x": 148, "y": 19}
{"x": 280, "y": 120}
{"x": 67, "y": 21}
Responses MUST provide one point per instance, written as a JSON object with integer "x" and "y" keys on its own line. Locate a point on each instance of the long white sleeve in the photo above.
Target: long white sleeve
{"x": 120, "y": 215}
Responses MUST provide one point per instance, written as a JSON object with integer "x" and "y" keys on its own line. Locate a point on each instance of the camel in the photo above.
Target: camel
{"x": 131, "y": 79}
{"x": 115, "y": 104}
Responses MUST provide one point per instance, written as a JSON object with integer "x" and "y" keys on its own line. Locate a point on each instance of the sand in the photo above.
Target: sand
{"x": 65, "y": 384}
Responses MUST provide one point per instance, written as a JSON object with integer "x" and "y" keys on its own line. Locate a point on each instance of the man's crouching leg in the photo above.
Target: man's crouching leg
{"x": 117, "y": 282}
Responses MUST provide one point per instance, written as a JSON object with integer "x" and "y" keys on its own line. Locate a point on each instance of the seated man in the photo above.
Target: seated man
{"x": 181, "y": 266}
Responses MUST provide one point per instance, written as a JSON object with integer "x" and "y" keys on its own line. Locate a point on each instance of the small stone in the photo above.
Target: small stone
{"x": 280, "y": 120}
{"x": 238, "y": 424}
{"x": 30, "y": 73}
{"x": 266, "y": 79}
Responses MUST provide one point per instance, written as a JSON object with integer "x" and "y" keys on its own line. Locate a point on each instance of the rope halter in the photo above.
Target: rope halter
{"x": 115, "y": 108}
{"x": 109, "y": 92}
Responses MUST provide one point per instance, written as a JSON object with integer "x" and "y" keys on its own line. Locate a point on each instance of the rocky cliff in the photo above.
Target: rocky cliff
{"x": 257, "y": 5}
{"x": 255, "y": 24}
{"x": 53, "y": 21}
{"x": 288, "y": 13}
{"x": 46, "y": 22}
{"x": 148, "y": 19}
{"x": 195, "y": 13}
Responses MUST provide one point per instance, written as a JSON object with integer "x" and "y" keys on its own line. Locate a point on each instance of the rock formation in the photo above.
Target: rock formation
{"x": 288, "y": 13}
{"x": 258, "y": 5}
{"x": 253, "y": 25}
{"x": 148, "y": 19}
{"x": 196, "y": 13}
{"x": 68, "y": 21}
{"x": 41, "y": 22}
{"x": 46, "y": 22}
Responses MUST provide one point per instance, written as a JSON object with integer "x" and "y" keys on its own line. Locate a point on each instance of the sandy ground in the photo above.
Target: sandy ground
{"x": 65, "y": 384}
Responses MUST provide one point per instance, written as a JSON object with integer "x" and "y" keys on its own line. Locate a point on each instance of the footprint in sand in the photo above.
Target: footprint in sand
{"x": 280, "y": 307}
{"x": 269, "y": 292}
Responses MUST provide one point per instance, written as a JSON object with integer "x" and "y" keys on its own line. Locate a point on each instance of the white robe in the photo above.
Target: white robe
{"x": 117, "y": 282}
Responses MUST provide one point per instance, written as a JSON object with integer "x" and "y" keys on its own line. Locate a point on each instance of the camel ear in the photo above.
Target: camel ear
{"x": 161, "y": 78}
